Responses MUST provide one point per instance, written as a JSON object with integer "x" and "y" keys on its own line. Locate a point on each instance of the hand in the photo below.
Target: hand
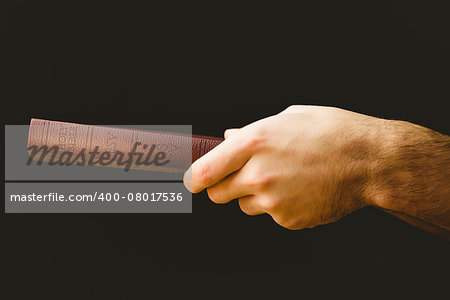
{"x": 306, "y": 166}
{"x": 312, "y": 165}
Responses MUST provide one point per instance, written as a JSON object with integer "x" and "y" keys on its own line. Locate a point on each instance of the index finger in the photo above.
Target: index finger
{"x": 221, "y": 161}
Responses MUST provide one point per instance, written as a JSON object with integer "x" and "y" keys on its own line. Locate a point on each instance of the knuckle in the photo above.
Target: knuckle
{"x": 260, "y": 132}
{"x": 270, "y": 204}
{"x": 251, "y": 180}
{"x": 255, "y": 140}
{"x": 227, "y": 133}
{"x": 265, "y": 180}
{"x": 293, "y": 109}
{"x": 203, "y": 174}
{"x": 258, "y": 179}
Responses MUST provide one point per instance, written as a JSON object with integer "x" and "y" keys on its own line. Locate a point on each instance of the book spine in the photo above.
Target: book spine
{"x": 180, "y": 149}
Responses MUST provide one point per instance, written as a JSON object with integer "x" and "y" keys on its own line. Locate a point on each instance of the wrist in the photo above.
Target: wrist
{"x": 382, "y": 170}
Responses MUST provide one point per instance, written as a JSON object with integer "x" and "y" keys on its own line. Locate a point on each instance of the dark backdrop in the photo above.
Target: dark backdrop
{"x": 218, "y": 66}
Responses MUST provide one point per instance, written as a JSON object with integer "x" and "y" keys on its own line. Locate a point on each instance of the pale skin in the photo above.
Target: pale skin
{"x": 312, "y": 165}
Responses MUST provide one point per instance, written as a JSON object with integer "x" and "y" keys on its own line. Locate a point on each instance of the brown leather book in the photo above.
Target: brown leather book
{"x": 160, "y": 151}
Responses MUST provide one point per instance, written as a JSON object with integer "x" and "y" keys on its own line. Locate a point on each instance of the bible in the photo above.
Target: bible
{"x": 71, "y": 143}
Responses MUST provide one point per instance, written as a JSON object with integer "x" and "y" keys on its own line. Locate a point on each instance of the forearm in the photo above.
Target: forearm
{"x": 411, "y": 178}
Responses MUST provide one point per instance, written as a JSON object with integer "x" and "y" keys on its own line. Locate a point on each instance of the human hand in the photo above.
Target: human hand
{"x": 306, "y": 166}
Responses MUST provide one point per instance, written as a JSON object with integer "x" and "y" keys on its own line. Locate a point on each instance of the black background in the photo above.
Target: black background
{"x": 218, "y": 66}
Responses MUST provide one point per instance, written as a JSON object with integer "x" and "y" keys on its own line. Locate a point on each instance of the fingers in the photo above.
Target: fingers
{"x": 230, "y": 132}
{"x": 251, "y": 205}
{"x": 221, "y": 161}
{"x": 229, "y": 188}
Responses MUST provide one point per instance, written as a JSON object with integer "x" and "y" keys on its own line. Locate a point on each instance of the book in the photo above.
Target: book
{"x": 95, "y": 145}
